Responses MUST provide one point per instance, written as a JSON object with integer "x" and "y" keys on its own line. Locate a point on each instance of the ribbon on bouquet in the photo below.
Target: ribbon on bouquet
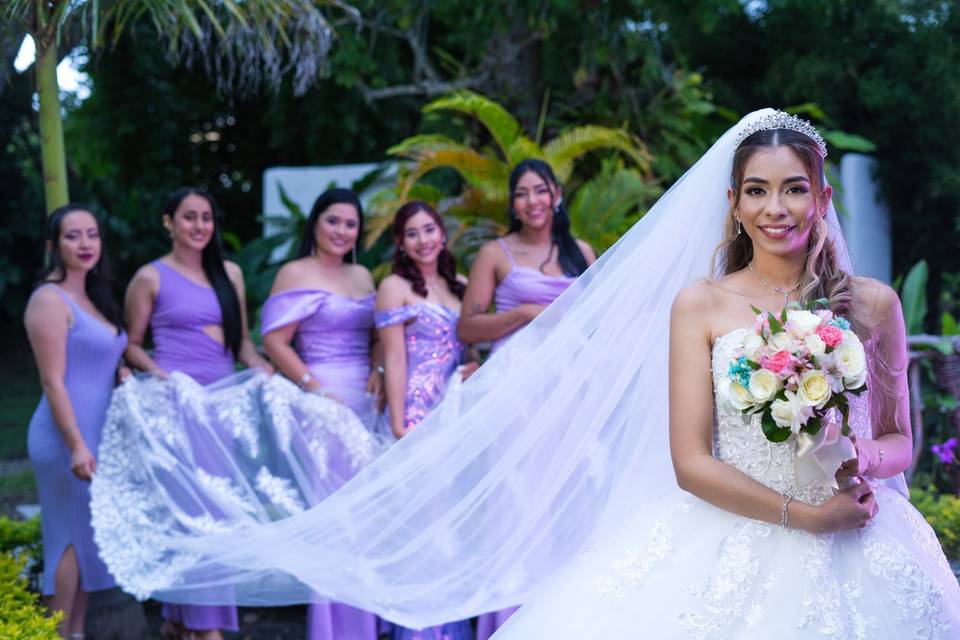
{"x": 820, "y": 456}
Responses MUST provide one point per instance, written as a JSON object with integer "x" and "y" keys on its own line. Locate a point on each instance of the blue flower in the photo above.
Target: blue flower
{"x": 739, "y": 371}
{"x": 840, "y": 322}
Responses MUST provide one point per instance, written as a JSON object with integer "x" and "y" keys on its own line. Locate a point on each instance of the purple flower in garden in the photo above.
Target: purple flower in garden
{"x": 944, "y": 451}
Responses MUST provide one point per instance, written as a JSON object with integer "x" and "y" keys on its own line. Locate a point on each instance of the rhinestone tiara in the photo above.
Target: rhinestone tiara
{"x": 782, "y": 120}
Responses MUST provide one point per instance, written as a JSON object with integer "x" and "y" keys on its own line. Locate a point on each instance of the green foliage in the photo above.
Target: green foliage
{"x": 21, "y": 614}
{"x": 600, "y": 210}
{"x": 942, "y": 511}
{"x": 22, "y": 539}
{"x": 913, "y": 297}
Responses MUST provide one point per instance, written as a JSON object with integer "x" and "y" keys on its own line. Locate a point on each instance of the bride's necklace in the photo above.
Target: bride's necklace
{"x": 784, "y": 292}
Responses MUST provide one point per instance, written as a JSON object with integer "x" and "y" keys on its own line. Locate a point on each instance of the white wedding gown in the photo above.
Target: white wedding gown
{"x": 683, "y": 568}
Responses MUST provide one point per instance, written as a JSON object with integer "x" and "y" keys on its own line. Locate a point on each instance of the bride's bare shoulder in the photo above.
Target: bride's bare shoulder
{"x": 698, "y": 296}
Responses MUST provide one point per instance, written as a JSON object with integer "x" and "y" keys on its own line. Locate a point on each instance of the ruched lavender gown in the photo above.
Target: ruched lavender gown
{"x": 523, "y": 285}
{"x": 333, "y": 340}
{"x": 181, "y": 311}
{"x": 433, "y": 354}
{"x": 93, "y": 351}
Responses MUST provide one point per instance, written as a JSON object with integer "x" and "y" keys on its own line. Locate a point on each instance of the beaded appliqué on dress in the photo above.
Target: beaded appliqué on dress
{"x": 630, "y": 570}
{"x": 735, "y": 589}
{"x": 830, "y": 608}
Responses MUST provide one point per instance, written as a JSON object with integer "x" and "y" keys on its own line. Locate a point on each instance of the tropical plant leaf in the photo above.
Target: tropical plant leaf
{"x": 482, "y": 173}
{"x": 503, "y": 127}
{"x": 913, "y": 297}
{"x": 570, "y": 145}
{"x": 606, "y": 206}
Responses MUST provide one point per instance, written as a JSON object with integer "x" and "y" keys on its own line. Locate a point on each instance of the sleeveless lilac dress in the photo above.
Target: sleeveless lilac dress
{"x": 525, "y": 285}
{"x": 180, "y": 312}
{"x": 522, "y": 285}
{"x": 333, "y": 340}
{"x": 93, "y": 351}
{"x": 433, "y": 354}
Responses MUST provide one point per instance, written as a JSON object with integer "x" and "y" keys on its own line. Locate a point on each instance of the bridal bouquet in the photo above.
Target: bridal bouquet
{"x": 796, "y": 370}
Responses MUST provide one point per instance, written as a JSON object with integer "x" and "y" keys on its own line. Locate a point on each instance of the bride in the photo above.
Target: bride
{"x": 547, "y": 481}
{"x": 750, "y": 550}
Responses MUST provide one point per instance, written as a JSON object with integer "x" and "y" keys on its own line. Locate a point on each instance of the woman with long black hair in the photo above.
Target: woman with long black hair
{"x": 528, "y": 268}
{"x": 192, "y": 300}
{"x": 74, "y": 325}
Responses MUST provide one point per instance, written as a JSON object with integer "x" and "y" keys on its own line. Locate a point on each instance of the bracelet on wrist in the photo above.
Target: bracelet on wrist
{"x": 785, "y": 511}
{"x": 304, "y": 380}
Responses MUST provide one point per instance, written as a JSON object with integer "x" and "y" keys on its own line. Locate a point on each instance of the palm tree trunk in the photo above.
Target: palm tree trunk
{"x": 51, "y": 123}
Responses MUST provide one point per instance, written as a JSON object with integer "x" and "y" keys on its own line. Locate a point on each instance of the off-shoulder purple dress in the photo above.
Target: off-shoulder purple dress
{"x": 93, "y": 351}
{"x": 522, "y": 285}
{"x": 333, "y": 340}
{"x": 180, "y": 312}
{"x": 433, "y": 354}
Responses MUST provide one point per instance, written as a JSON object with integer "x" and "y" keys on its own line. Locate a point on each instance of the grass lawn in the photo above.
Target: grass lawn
{"x": 19, "y": 391}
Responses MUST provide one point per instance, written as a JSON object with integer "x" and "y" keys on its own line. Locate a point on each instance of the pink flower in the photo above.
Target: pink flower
{"x": 831, "y": 335}
{"x": 778, "y": 361}
{"x": 762, "y": 324}
{"x": 825, "y": 314}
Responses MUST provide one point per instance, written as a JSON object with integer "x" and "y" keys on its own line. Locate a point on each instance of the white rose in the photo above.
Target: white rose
{"x": 783, "y": 412}
{"x": 803, "y": 322}
{"x": 814, "y": 389}
{"x": 751, "y": 344}
{"x": 790, "y": 413}
{"x": 851, "y": 362}
{"x": 737, "y": 395}
{"x": 763, "y": 385}
{"x": 783, "y": 340}
{"x": 815, "y": 345}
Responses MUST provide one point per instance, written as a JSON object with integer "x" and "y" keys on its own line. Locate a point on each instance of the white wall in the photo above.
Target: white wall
{"x": 865, "y": 218}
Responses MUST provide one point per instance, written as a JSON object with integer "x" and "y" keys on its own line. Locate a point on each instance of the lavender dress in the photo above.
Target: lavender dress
{"x": 433, "y": 354}
{"x": 180, "y": 312}
{"x": 93, "y": 351}
{"x": 522, "y": 285}
{"x": 333, "y": 340}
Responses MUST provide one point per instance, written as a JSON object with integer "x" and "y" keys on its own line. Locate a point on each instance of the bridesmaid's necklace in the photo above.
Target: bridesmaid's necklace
{"x": 782, "y": 291}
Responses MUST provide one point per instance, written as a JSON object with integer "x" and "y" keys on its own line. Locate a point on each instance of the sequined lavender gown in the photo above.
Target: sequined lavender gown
{"x": 93, "y": 350}
{"x": 522, "y": 285}
{"x": 181, "y": 311}
{"x": 433, "y": 354}
{"x": 333, "y": 340}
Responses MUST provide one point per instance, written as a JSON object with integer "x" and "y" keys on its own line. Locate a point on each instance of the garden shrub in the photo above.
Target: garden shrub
{"x": 22, "y": 616}
{"x": 942, "y": 511}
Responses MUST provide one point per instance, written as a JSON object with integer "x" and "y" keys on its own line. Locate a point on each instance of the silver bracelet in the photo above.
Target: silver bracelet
{"x": 784, "y": 511}
{"x": 304, "y": 380}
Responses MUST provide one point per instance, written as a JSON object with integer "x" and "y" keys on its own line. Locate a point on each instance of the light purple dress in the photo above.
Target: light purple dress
{"x": 433, "y": 354}
{"x": 180, "y": 312}
{"x": 93, "y": 351}
{"x": 525, "y": 285}
{"x": 333, "y": 340}
{"x": 522, "y": 285}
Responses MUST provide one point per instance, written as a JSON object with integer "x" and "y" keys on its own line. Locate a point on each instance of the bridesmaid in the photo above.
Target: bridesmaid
{"x": 317, "y": 328}
{"x": 417, "y": 311}
{"x": 74, "y": 326}
{"x": 521, "y": 274}
{"x": 193, "y": 302}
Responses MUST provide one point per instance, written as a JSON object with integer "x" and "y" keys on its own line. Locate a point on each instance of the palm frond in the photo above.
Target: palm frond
{"x": 503, "y": 127}
{"x": 605, "y": 207}
{"x": 482, "y": 173}
{"x": 570, "y": 145}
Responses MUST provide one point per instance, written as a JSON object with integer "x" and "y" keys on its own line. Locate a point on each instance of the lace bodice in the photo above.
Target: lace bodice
{"x": 739, "y": 439}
